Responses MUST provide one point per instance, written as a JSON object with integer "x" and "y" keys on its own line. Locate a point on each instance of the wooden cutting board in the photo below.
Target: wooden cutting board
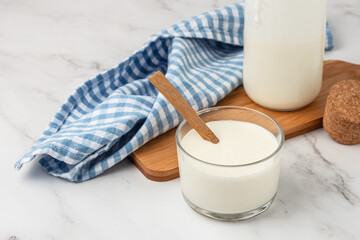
{"x": 157, "y": 159}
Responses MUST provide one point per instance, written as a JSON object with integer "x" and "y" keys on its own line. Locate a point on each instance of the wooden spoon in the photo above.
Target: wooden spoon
{"x": 182, "y": 106}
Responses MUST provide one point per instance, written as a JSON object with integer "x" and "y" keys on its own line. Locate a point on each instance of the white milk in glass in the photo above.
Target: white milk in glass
{"x": 283, "y": 51}
{"x": 226, "y": 179}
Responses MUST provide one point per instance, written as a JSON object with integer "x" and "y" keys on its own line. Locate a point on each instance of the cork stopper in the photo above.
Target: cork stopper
{"x": 342, "y": 112}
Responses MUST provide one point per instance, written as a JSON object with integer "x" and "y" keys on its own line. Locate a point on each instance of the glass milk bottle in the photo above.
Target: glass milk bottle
{"x": 283, "y": 52}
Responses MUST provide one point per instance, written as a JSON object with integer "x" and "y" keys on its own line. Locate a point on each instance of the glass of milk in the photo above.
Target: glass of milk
{"x": 283, "y": 52}
{"x": 237, "y": 178}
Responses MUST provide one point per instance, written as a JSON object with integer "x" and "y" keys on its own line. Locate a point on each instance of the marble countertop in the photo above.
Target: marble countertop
{"x": 48, "y": 48}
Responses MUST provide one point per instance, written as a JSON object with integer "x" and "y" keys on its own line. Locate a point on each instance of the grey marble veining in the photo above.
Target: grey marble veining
{"x": 49, "y": 48}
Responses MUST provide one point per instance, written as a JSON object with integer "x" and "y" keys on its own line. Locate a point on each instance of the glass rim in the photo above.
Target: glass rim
{"x": 276, "y": 151}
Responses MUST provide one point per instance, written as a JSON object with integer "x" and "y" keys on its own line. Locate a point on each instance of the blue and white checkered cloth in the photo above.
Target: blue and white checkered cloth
{"x": 118, "y": 111}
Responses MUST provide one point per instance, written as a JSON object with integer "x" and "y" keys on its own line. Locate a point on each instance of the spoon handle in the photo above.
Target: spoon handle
{"x": 182, "y": 106}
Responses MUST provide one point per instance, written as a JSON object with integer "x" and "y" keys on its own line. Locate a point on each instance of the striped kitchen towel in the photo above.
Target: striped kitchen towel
{"x": 118, "y": 111}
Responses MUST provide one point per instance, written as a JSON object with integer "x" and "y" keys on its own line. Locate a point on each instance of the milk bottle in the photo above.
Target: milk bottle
{"x": 283, "y": 51}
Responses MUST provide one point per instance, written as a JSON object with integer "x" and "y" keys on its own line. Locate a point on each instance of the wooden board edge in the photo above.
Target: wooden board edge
{"x": 158, "y": 176}
{"x": 316, "y": 124}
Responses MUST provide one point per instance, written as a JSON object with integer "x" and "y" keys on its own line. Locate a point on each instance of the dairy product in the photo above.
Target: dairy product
{"x": 283, "y": 51}
{"x": 274, "y": 78}
{"x": 227, "y": 177}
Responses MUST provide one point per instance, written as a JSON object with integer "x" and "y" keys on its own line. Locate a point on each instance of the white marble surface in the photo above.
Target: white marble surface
{"x": 48, "y": 48}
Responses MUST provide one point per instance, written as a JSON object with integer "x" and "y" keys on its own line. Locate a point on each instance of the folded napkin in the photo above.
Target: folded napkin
{"x": 118, "y": 111}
